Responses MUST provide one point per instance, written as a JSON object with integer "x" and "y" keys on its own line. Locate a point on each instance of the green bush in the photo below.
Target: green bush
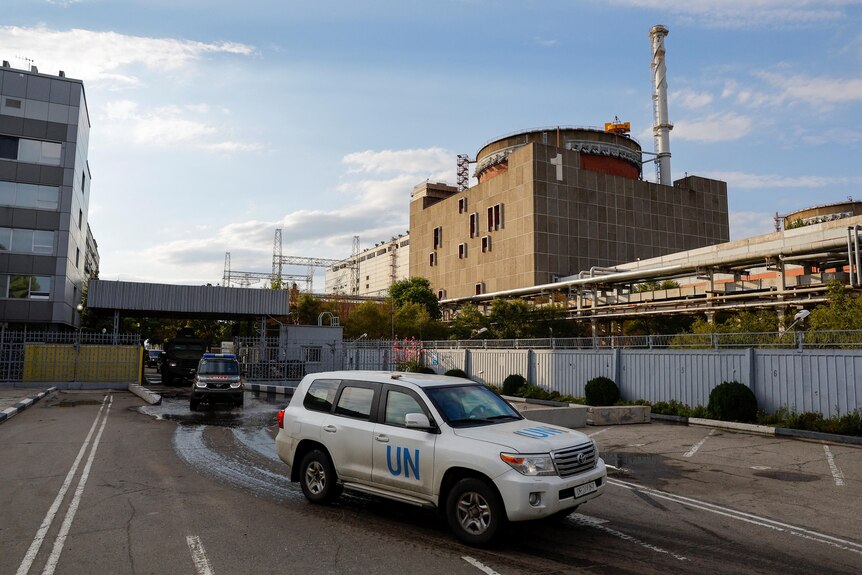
{"x": 699, "y": 411}
{"x": 732, "y": 401}
{"x": 423, "y": 369}
{"x": 513, "y": 383}
{"x": 457, "y": 373}
{"x": 601, "y": 391}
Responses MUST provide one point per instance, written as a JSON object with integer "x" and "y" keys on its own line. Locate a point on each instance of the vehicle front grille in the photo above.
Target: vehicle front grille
{"x": 574, "y": 460}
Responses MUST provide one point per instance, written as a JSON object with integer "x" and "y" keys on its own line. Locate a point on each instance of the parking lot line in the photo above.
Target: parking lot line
{"x": 60, "y": 541}
{"x": 483, "y": 568}
{"x": 742, "y": 516}
{"x": 587, "y": 521}
{"x": 30, "y": 556}
{"x": 595, "y": 433}
{"x": 199, "y": 555}
{"x": 697, "y": 445}
{"x": 836, "y": 473}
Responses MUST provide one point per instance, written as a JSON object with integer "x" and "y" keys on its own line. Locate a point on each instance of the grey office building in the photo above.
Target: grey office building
{"x": 44, "y": 194}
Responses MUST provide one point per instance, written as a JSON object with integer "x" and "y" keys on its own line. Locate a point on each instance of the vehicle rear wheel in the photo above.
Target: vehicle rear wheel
{"x": 475, "y": 512}
{"x": 239, "y": 402}
{"x": 317, "y": 477}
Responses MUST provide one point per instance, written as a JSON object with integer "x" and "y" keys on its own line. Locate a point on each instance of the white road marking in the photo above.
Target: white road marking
{"x": 199, "y": 555}
{"x": 479, "y": 566}
{"x": 697, "y": 445}
{"x": 742, "y": 516}
{"x": 836, "y": 473}
{"x": 587, "y": 519}
{"x": 76, "y": 500}
{"x": 30, "y": 556}
{"x": 760, "y": 467}
{"x": 593, "y": 434}
{"x": 590, "y": 522}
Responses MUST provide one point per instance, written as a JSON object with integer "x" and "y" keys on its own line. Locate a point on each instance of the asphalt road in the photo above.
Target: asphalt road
{"x": 159, "y": 489}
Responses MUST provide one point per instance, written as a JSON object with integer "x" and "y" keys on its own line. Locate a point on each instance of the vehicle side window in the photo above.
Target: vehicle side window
{"x": 321, "y": 394}
{"x": 398, "y": 405}
{"x": 355, "y": 402}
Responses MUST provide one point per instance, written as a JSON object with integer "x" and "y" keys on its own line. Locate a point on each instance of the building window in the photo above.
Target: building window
{"x": 29, "y": 196}
{"x": 438, "y": 237}
{"x": 27, "y": 241}
{"x": 25, "y": 287}
{"x": 495, "y": 217}
{"x": 462, "y": 205}
{"x": 480, "y": 288}
{"x": 462, "y": 251}
{"x": 432, "y": 259}
{"x": 31, "y": 151}
{"x": 77, "y": 257}
{"x": 474, "y": 224}
{"x": 486, "y": 244}
{"x": 312, "y": 354}
{"x": 441, "y": 294}
{"x": 80, "y": 218}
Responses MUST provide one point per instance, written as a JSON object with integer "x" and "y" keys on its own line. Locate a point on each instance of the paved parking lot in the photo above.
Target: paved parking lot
{"x": 162, "y": 489}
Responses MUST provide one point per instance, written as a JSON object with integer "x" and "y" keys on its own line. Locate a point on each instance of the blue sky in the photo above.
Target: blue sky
{"x": 215, "y": 122}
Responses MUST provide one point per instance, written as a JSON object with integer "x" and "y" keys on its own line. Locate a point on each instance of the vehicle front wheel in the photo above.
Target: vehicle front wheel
{"x": 475, "y": 512}
{"x": 193, "y": 404}
{"x": 317, "y": 478}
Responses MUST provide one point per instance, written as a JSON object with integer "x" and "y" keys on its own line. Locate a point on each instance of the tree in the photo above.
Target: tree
{"x": 368, "y": 317}
{"x": 842, "y": 312}
{"x": 307, "y": 309}
{"x": 510, "y": 319}
{"x": 416, "y": 290}
{"x": 468, "y": 321}
{"x": 411, "y": 320}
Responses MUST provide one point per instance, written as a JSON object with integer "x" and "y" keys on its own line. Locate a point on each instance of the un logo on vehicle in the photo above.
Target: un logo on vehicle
{"x": 410, "y": 463}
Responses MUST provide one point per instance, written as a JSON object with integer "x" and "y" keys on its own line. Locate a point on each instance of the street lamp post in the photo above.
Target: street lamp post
{"x": 77, "y": 346}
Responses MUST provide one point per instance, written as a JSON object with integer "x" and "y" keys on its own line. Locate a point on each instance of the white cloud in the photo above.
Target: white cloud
{"x": 545, "y": 42}
{"x": 691, "y": 99}
{"x": 718, "y": 127}
{"x": 747, "y": 224}
{"x": 108, "y": 57}
{"x": 814, "y": 90}
{"x": 748, "y": 14}
{"x": 746, "y": 181}
{"x": 417, "y": 161}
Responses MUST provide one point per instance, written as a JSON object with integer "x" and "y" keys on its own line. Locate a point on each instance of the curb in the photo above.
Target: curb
{"x": 145, "y": 394}
{"x": 548, "y": 402}
{"x": 760, "y": 429}
{"x": 10, "y": 412}
{"x": 270, "y": 389}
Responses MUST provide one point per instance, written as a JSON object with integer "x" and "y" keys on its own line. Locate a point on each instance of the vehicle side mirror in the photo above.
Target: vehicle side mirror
{"x": 417, "y": 421}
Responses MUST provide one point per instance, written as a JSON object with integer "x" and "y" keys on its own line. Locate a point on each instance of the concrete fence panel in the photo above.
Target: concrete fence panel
{"x": 684, "y": 376}
{"x": 491, "y": 366}
{"x": 568, "y": 371}
{"x": 442, "y": 360}
{"x": 824, "y": 381}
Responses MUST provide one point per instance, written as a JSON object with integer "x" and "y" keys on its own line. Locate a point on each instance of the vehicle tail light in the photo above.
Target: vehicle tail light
{"x": 281, "y": 419}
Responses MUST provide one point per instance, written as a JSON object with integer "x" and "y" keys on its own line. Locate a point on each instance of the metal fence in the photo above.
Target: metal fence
{"x": 849, "y": 339}
{"x": 72, "y": 358}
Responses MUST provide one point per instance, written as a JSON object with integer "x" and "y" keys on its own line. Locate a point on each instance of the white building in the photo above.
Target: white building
{"x": 373, "y": 270}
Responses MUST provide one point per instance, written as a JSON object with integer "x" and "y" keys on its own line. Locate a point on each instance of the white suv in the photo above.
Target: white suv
{"x": 434, "y": 441}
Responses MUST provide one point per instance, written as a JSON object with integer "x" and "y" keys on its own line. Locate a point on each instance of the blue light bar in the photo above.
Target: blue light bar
{"x": 222, "y": 355}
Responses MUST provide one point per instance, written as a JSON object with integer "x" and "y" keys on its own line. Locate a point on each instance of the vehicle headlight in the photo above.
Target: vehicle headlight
{"x": 172, "y": 363}
{"x": 530, "y": 464}
{"x": 235, "y": 384}
{"x": 199, "y": 383}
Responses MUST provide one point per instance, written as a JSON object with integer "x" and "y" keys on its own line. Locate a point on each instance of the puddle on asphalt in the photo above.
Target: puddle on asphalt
{"x": 257, "y": 412}
{"x": 786, "y": 476}
{"x": 76, "y": 403}
{"x": 640, "y": 466}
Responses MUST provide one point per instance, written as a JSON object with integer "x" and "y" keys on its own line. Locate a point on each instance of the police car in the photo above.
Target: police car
{"x": 434, "y": 441}
{"x": 217, "y": 380}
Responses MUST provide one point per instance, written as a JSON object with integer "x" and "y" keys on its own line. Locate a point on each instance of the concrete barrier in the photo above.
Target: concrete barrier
{"x": 618, "y": 415}
{"x": 572, "y": 417}
{"x": 145, "y": 394}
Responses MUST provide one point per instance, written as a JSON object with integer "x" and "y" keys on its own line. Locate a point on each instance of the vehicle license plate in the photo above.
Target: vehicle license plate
{"x": 585, "y": 488}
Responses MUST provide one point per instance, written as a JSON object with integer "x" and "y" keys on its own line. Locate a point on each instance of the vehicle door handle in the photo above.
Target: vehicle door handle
{"x": 330, "y": 428}
{"x": 382, "y": 438}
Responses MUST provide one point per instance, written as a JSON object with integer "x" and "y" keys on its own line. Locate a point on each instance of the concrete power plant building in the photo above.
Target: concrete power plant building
{"x": 551, "y": 203}
{"x": 47, "y": 251}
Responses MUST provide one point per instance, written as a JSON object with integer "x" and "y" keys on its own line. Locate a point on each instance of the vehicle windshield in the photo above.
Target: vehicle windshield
{"x": 471, "y": 405}
{"x": 218, "y": 367}
{"x": 155, "y": 352}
